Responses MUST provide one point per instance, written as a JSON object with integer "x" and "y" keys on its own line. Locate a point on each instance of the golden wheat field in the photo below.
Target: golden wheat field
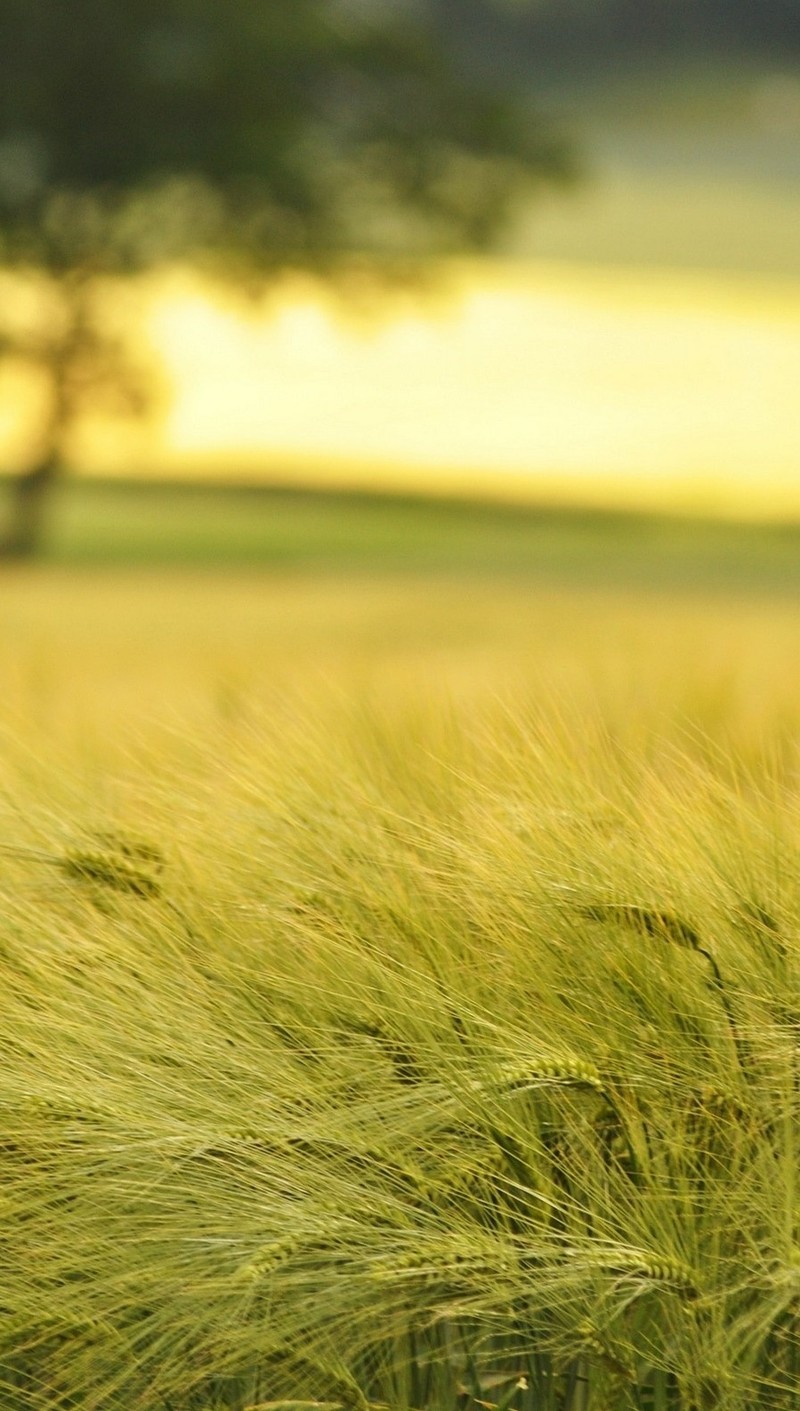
{"x": 112, "y": 655}
{"x": 401, "y": 993}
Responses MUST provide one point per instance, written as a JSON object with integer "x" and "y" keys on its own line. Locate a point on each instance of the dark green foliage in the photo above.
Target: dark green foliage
{"x": 288, "y": 131}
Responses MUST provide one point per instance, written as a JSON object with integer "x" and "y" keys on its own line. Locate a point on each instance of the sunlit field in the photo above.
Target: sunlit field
{"x": 155, "y": 605}
{"x": 530, "y": 381}
{"x": 518, "y": 381}
{"x": 401, "y": 990}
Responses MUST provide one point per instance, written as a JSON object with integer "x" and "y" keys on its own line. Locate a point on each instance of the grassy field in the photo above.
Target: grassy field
{"x": 401, "y": 977}
{"x": 130, "y": 523}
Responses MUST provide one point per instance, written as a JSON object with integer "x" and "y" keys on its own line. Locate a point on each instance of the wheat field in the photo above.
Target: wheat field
{"x": 401, "y": 994}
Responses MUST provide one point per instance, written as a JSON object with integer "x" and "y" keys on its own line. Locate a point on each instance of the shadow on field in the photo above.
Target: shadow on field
{"x": 130, "y": 523}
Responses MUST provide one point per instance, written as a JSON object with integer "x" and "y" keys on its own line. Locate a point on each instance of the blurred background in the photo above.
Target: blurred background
{"x": 243, "y": 250}
{"x": 506, "y": 292}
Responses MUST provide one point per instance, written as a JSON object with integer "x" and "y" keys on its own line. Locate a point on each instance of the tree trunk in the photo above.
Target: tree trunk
{"x": 30, "y": 496}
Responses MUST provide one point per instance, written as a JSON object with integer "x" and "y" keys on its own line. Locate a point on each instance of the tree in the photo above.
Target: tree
{"x": 257, "y": 133}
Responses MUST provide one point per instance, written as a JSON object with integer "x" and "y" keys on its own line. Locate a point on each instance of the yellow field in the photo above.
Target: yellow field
{"x": 551, "y": 380}
{"x": 107, "y": 655}
{"x": 400, "y": 994}
{"x": 554, "y": 380}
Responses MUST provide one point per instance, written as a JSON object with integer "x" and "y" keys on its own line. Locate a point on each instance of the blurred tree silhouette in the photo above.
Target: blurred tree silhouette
{"x": 260, "y": 133}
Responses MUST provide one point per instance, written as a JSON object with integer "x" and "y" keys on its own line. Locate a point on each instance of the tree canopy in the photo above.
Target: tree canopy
{"x": 289, "y": 130}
